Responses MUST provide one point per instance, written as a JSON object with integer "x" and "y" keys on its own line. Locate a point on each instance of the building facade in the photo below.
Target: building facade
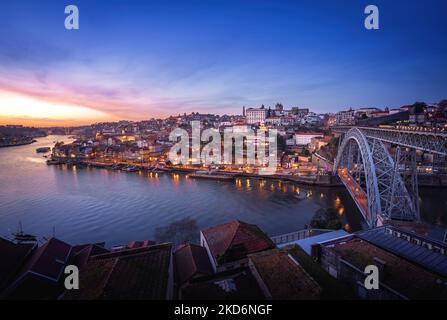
{"x": 256, "y": 115}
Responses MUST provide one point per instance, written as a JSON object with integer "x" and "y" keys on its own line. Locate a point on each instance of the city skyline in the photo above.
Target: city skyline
{"x": 155, "y": 60}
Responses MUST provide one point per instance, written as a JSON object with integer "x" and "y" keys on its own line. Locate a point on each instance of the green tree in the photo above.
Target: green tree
{"x": 418, "y": 107}
{"x": 443, "y": 106}
{"x": 326, "y": 218}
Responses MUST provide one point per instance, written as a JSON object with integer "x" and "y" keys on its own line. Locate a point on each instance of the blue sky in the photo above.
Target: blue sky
{"x": 138, "y": 59}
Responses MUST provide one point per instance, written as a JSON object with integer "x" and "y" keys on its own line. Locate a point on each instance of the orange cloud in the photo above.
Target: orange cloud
{"x": 21, "y": 109}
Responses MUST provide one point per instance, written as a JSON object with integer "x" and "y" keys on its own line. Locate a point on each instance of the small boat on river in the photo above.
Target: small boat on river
{"x": 20, "y": 236}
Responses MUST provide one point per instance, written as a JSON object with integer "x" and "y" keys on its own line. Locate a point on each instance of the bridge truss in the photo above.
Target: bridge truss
{"x": 428, "y": 141}
{"x": 391, "y": 192}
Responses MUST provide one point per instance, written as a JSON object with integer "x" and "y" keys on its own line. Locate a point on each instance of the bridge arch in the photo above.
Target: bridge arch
{"x": 367, "y": 169}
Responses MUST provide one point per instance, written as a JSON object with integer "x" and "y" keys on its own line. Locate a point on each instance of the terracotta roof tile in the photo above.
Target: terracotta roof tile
{"x": 49, "y": 260}
{"x": 12, "y": 256}
{"x": 235, "y": 285}
{"x": 191, "y": 260}
{"x": 235, "y": 240}
{"x": 407, "y": 278}
{"x": 141, "y": 273}
{"x": 283, "y": 277}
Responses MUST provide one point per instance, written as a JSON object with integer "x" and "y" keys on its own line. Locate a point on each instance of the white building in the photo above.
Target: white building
{"x": 310, "y": 119}
{"x": 345, "y": 117}
{"x": 302, "y": 139}
{"x": 256, "y": 115}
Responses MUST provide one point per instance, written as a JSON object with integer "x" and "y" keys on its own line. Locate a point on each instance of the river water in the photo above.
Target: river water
{"x": 81, "y": 205}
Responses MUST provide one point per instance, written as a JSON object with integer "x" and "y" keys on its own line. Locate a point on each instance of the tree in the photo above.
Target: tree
{"x": 326, "y": 219}
{"x": 418, "y": 107}
{"x": 443, "y": 106}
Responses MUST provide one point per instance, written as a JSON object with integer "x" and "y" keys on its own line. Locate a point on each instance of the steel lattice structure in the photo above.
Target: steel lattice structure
{"x": 379, "y": 175}
{"x": 421, "y": 140}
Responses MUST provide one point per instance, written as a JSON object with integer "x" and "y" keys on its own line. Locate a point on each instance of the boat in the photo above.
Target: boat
{"x": 117, "y": 248}
{"x": 206, "y": 175}
{"x": 20, "y": 236}
{"x": 301, "y": 196}
{"x": 116, "y": 166}
{"x": 53, "y": 161}
{"x": 43, "y": 150}
{"x": 130, "y": 169}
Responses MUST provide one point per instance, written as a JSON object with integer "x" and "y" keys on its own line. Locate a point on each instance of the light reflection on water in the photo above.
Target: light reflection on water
{"x": 95, "y": 205}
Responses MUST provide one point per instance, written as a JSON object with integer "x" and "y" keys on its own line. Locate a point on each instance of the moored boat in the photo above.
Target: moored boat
{"x": 20, "y": 236}
{"x": 43, "y": 150}
{"x": 200, "y": 175}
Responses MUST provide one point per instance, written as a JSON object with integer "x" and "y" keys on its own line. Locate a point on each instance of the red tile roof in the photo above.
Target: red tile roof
{"x": 49, "y": 260}
{"x": 399, "y": 274}
{"x": 284, "y": 278}
{"x": 141, "y": 273}
{"x": 82, "y": 253}
{"x": 232, "y": 285}
{"x": 235, "y": 240}
{"x": 191, "y": 260}
{"x": 140, "y": 244}
{"x": 12, "y": 256}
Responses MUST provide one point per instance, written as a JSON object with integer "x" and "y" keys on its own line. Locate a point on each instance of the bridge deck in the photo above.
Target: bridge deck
{"x": 359, "y": 196}
{"x": 426, "y": 140}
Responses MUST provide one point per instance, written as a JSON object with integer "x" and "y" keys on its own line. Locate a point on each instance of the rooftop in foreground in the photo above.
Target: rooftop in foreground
{"x": 235, "y": 240}
{"x": 397, "y": 273}
{"x": 282, "y": 277}
{"x": 141, "y": 273}
{"x": 417, "y": 253}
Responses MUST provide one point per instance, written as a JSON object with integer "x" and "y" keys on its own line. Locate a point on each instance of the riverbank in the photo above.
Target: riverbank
{"x": 88, "y": 205}
{"x": 316, "y": 180}
{"x": 212, "y": 176}
{"x": 17, "y": 144}
{"x": 94, "y": 205}
{"x": 321, "y": 180}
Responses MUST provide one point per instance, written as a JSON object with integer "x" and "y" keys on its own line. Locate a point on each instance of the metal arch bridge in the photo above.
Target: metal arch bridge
{"x": 384, "y": 186}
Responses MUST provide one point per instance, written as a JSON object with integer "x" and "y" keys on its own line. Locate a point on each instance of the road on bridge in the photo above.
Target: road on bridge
{"x": 359, "y": 196}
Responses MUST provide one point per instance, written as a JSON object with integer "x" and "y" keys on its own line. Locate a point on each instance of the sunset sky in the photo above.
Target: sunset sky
{"x": 140, "y": 59}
